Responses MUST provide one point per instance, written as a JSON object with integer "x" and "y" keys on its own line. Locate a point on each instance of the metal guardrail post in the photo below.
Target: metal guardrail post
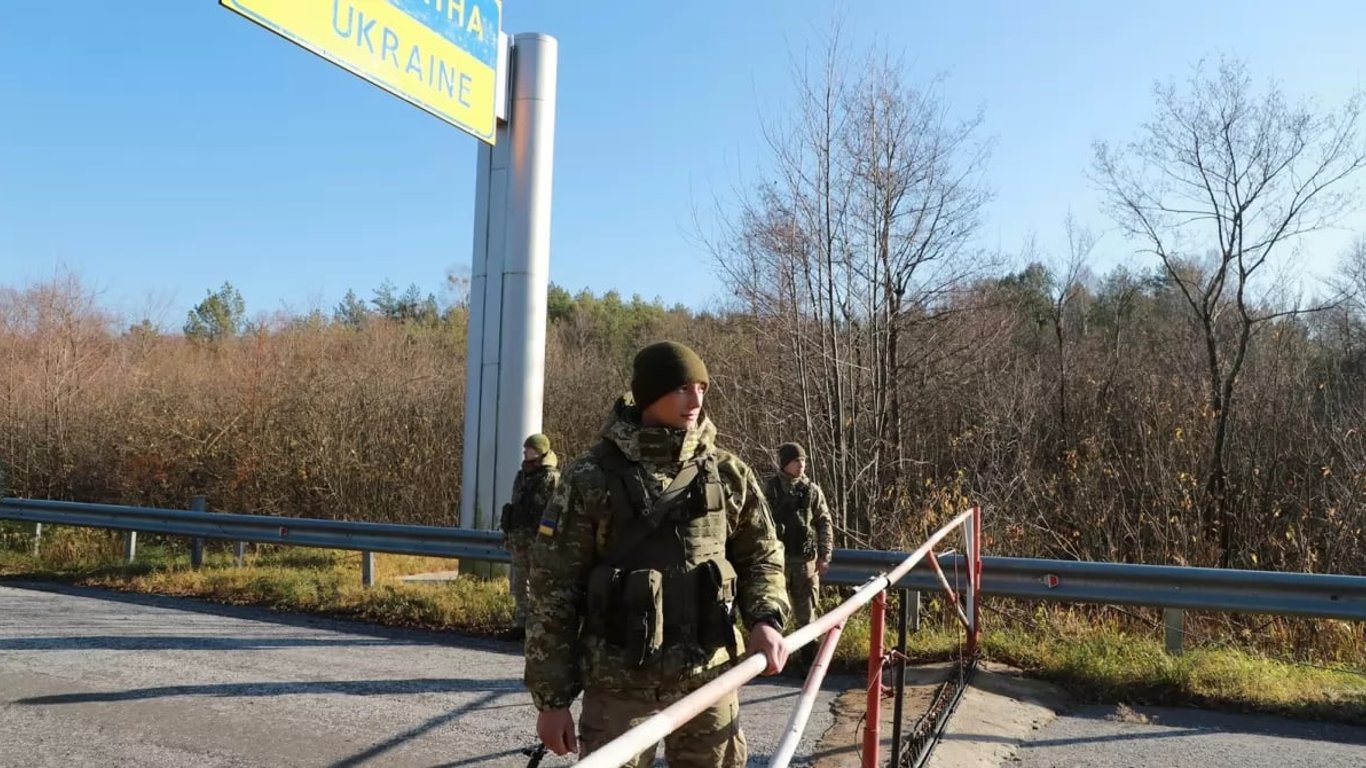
{"x": 240, "y": 551}
{"x": 1175, "y": 621}
{"x": 37, "y": 538}
{"x": 197, "y": 544}
{"x": 367, "y": 569}
{"x": 130, "y": 547}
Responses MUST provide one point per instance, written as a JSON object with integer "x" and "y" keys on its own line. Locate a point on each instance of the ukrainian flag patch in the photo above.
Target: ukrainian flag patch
{"x": 550, "y": 519}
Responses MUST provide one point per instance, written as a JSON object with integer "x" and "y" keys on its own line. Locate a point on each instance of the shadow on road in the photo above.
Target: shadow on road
{"x": 254, "y": 613}
{"x": 1194, "y": 722}
{"x": 482, "y": 702}
{"x": 343, "y": 687}
{"x": 184, "y": 643}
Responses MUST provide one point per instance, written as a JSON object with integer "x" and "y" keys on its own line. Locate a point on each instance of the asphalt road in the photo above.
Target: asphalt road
{"x": 1155, "y": 737}
{"x": 97, "y": 678}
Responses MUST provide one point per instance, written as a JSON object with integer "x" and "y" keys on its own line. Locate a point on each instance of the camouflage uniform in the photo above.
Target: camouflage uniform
{"x": 807, "y": 532}
{"x": 531, "y": 491}
{"x": 574, "y": 645}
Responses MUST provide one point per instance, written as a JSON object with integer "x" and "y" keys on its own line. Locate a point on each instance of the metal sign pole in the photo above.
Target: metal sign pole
{"x": 526, "y": 267}
{"x": 509, "y": 281}
{"x": 485, "y": 308}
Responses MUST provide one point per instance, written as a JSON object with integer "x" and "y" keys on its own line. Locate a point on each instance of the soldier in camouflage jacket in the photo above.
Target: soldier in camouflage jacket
{"x": 531, "y": 491}
{"x": 649, "y": 549}
{"x": 806, "y": 530}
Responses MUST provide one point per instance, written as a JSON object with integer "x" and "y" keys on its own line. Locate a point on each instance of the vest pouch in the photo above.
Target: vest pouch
{"x": 714, "y": 497}
{"x": 716, "y": 603}
{"x": 642, "y": 615}
{"x": 797, "y": 542}
{"x": 604, "y": 603}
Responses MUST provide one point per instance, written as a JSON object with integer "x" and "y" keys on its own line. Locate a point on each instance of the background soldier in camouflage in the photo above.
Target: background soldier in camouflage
{"x": 650, "y": 546}
{"x": 806, "y": 530}
{"x": 531, "y": 491}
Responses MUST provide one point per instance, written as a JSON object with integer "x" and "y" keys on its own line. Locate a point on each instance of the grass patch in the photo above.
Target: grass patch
{"x": 282, "y": 578}
{"x": 934, "y": 642}
{"x": 1107, "y": 664}
{"x": 464, "y": 605}
{"x": 1095, "y": 658}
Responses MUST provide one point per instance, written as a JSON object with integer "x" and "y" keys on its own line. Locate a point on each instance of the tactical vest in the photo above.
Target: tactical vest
{"x": 663, "y": 578}
{"x": 792, "y": 517}
{"x": 522, "y": 513}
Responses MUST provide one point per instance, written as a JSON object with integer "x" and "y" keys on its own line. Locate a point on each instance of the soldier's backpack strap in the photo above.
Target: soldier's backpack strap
{"x": 625, "y": 487}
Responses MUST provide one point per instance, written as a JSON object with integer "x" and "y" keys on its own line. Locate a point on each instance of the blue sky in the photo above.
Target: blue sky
{"x": 162, "y": 147}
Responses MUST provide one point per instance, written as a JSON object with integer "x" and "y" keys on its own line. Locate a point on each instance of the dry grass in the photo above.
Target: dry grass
{"x": 1101, "y": 658}
{"x": 281, "y": 578}
{"x": 308, "y": 418}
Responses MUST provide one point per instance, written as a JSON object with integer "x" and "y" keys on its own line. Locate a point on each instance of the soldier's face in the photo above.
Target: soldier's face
{"x": 528, "y": 454}
{"x": 679, "y": 409}
{"x": 796, "y": 467}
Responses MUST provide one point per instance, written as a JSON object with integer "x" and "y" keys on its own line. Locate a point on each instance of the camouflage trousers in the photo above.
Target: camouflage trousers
{"x": 518, "y": 544}
{"x": 803, "y": 589}
{"x": 713, "y": 739}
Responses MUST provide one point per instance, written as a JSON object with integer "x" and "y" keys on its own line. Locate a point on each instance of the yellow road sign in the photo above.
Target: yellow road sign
{"x": 440, "y": 55}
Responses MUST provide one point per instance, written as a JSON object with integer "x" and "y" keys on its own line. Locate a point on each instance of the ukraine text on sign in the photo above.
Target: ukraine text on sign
{"x": 441, "y": 55}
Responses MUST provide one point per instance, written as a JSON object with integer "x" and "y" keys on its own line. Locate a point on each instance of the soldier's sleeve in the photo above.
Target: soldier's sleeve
{"x": 562, "y": 556}
{"x": 825, "y": 526}
{"x": 754, "y": 550}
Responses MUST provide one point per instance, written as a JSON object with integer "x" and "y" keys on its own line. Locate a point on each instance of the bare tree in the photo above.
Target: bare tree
{"x": 918, "y": 199}
{"x": 1353, "y": 270}
{"x": 1240, "y": 175}
{"x": 1067, "y": 289}
{"x": 848, "y": 256}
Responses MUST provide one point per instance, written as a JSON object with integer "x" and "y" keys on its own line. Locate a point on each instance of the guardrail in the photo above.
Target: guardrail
{"x": 1309, "y": 595}
{"x": 429, "y": 540}
{"x": 1174, "y": 587}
